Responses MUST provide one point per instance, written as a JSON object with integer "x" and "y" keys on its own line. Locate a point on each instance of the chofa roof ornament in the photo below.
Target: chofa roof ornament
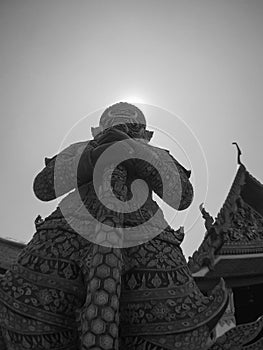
{"x": 209, "y": 220}
{"x": 238, "y": 153}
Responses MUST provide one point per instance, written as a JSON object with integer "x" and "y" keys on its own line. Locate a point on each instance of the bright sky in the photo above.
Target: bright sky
{"x": 199, "y": 63}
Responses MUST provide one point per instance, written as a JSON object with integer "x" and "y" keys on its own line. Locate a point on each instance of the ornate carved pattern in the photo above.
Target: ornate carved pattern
{"x": 159, "y": 296}
{"x": 192, "y": 340}
{"x": 40, "y": 294}
{"x": 238, "y": 337}
{"x": 216, "y": 235}
{"x": 205, "y": 255}
{"x": 17, "y": 341}
{"x": 255, "y": 346}
{"x": 247, "y": 225}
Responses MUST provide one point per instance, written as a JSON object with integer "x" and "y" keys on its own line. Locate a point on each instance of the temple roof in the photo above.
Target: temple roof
{"x": 236, "y": 235}
{"x": 9, "y": 251}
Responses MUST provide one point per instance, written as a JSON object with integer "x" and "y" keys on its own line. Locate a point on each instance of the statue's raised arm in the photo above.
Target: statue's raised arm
{"x": 64, "y": 172}
{"x": 166, "y": 177}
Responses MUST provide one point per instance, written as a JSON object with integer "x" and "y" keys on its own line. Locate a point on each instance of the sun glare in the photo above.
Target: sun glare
{"x": 133, "y": 99}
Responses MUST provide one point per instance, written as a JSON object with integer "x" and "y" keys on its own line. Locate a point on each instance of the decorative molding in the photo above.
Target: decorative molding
{"x": 237, "y": 337}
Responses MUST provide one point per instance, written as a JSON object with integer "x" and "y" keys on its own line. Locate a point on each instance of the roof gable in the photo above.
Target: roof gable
{"x": 238, "y": 228}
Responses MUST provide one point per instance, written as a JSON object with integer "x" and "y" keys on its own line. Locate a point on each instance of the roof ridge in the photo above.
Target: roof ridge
{"x": 12, "y": 242}
{"x": 233, "y": 193}
{"x": 255, "y": 179}
{"x": 213, "y": 240}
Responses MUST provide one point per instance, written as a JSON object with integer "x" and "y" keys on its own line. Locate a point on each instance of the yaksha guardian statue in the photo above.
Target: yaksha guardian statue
{"x": 105, "y": 270}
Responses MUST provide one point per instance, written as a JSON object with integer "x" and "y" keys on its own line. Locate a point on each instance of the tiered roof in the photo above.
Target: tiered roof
{"x": 236, "y": 236}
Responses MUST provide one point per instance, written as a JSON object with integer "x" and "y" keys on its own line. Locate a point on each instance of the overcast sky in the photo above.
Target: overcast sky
{"x": 199, "y": 63}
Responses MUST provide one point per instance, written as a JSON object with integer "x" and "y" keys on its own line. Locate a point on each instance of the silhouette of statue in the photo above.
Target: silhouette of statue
{"x": 77, "y": 284}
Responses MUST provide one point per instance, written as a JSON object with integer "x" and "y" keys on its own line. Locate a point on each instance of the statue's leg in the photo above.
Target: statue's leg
{"x": 99, "y": 317}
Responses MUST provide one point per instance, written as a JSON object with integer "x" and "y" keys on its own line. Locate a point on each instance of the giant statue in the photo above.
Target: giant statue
{"x": 95, "y": 276}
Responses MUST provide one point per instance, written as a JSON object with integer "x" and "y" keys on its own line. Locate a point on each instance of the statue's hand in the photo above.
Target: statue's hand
{"x": 127, "y": 149}
{"x": 123, "y": 151}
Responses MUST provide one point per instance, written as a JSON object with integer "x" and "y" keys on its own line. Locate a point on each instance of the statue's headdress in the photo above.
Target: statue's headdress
{"x": 125, "y": 117}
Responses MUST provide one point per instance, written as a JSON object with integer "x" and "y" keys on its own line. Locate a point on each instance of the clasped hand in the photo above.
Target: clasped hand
{"x": 127, "y": 149}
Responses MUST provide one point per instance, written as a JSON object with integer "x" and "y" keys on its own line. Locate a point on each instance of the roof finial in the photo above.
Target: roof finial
{"x": 208, "y": 218}
{"x": 238, "y": 153}
{"x": 38, "y": 221}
